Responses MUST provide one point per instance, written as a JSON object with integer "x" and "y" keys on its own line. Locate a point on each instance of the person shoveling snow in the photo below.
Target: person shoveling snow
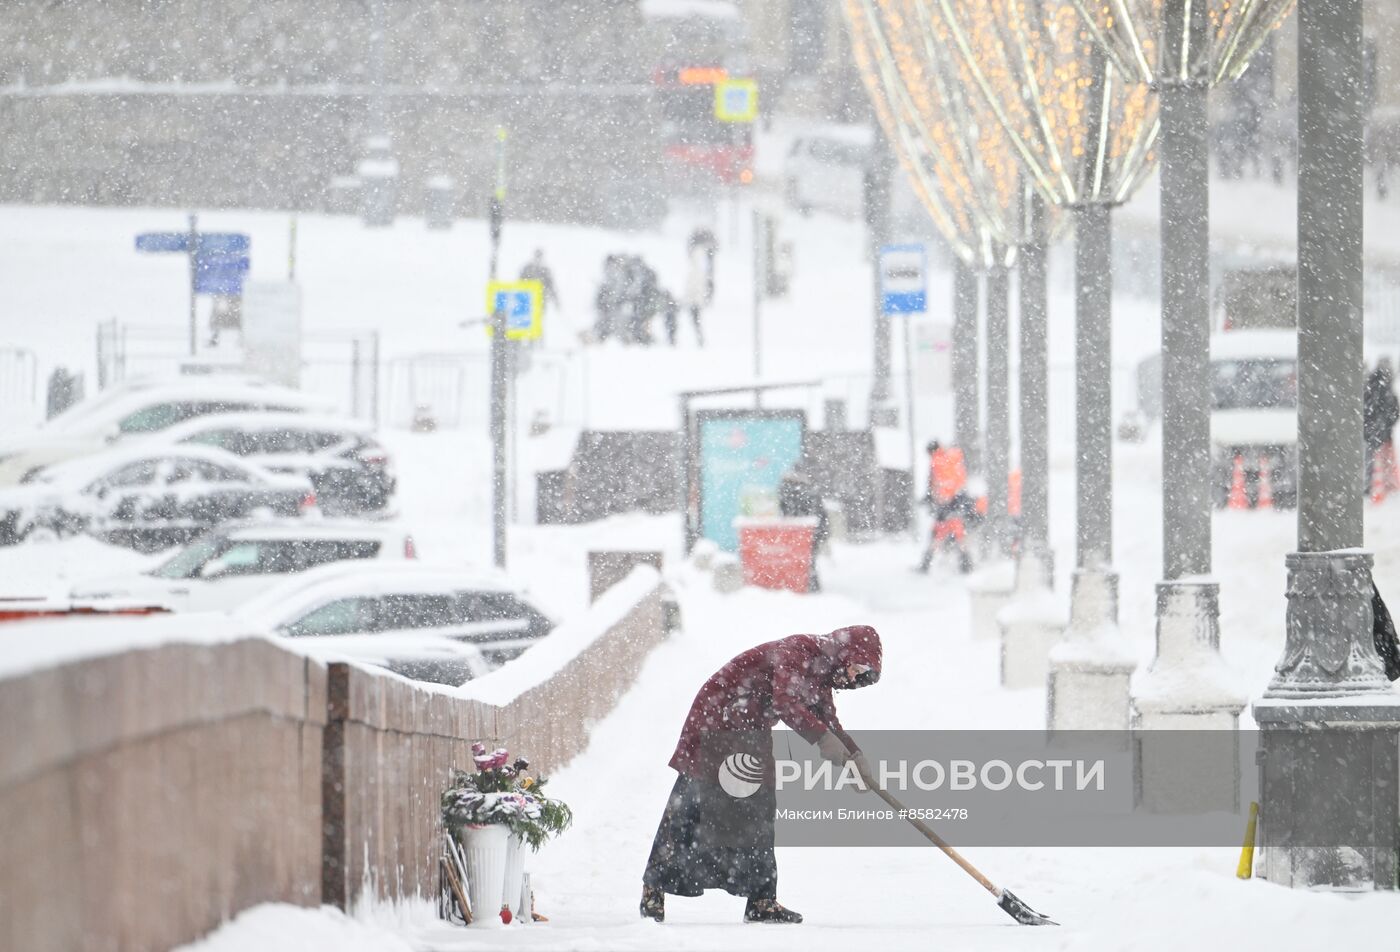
{"x": 717, "y": 831}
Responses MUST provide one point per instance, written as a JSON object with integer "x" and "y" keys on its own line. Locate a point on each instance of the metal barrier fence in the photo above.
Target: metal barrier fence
{"x": 342, "y": 366}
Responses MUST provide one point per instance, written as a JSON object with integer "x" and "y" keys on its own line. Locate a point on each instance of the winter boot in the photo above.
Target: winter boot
{"x": 769, "y": 910}
{"x": 653, "y": 903}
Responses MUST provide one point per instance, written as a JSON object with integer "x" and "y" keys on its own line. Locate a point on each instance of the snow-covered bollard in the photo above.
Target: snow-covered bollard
{"x": 1030, "y": 625}
{"x": 1188, "y": 687}
{"x": 1329, "y": 736}
{"x": 703, "y": 554}
{"x": 728, "y": 573}
{"x": 1087, "y": 684}
{"x": 990, "y": 588}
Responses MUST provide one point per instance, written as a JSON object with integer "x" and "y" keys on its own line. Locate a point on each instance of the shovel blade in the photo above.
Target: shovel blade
{"x": 1021, "y": 912}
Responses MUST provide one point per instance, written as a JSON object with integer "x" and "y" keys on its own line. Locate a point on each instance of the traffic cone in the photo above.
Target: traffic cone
{"x": 1377, "y": 479}
{"x": 1238, "y": 499}
{"x": 1392, "y": 467}
{"x": 1265, "y": 496}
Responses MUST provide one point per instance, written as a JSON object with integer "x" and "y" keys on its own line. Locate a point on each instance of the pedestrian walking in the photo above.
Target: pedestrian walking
{"x": 536, "y": 270}
{"x": 712, "y": 838}
{"x": 699, "y": 279}
{"x": 670, "y": 314}
{"x": 952, "y": 508}
{"x": 1381, "y": 412}
{"x": 610, "y": 299}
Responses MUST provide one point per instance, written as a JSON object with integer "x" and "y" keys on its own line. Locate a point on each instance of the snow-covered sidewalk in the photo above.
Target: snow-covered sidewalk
{"x": 936, "y": 677}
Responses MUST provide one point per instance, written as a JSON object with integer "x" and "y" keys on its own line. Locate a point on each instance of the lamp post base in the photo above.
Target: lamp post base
{"x": 1031, "y": 624}
{"x": 1090, "y": 669}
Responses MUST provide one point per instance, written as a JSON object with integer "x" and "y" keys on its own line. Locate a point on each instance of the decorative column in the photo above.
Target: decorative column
{"x": 1187, "y": 686}
{"x": 1330, "y": 720}
{"x": 1033, "y": 620}
{"x": 990, "y": 587}
{"x": 967, "y": 412}
{"x": 1087, "y": 685}
{"x": 998, "y": 405}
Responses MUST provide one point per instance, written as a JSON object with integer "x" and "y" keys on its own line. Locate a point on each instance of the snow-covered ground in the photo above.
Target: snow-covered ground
{"x": 64, "y": 270}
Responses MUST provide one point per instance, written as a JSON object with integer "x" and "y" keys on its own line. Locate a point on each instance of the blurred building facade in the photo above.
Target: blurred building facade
{"x": 268, "y": 103}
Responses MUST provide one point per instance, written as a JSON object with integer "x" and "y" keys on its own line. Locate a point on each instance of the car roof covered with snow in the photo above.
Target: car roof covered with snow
{"x": 356, "y": 578}
{"x": 99, "y": 464}
{"x": 85, "y": 417}
{"x": 298, "y": 529}
{"x": 255, "y": 420}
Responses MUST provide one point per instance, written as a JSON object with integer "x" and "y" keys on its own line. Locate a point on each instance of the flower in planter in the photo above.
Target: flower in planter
{"x": 499, "y": 792}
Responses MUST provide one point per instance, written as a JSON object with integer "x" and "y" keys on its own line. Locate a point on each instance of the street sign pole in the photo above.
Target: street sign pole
{"x": 909, "y": 426}
{"x": 193, "y": 249}
{"x": 901, "y": 277}
{"x": 758, "y": 273}
{"x": 500, "y": 370}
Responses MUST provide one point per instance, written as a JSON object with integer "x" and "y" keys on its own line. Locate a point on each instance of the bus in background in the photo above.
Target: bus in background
{"x": 697, "y": 46}
{"x": 699, "y": 146}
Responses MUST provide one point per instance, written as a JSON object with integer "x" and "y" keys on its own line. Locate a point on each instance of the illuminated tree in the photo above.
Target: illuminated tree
{"x": 960, "y": 163}
{"x": 1179, "y": 49}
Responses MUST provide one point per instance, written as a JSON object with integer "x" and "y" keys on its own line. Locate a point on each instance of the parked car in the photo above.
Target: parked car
{"x": 351, "y": 471}
{"x": 827, "y": 172}
{"x": 422, "y": 656}
{"x": 138, "y": 410}
{"x": 350, "y": 598}
{"x": 224, "y": 568}
{"x": 147, "y": 498}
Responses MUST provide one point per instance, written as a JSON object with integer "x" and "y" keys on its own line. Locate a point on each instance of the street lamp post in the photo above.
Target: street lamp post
{"x": 998, "y": 283}
{"x": 1034, "y": 383}
{"x": 500, "y": 369}
{"x": 1330, "y": 676}
{"x": 1084, "y": 139}
{"x": 967, "y": 410}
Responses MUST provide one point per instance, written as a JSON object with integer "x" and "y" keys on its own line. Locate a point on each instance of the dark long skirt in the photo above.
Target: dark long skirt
{"x": 711, "y": 840}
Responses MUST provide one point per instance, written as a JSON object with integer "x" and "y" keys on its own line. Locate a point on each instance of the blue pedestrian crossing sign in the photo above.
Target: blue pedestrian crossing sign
{"x": 736, "y": 100}
{"x": 523, "y": 302}
{"x": 903, "y": 279}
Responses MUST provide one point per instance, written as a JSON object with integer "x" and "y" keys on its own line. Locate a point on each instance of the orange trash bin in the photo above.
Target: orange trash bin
{"x": 777, "y": 553}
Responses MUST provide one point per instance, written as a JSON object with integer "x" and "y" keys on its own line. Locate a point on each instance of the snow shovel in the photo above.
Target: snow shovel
{"x": 1006, "y": 899}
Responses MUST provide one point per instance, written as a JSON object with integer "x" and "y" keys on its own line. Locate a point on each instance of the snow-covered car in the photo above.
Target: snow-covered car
{"x": 1254, "y": 412}
{"x": 147, "y": 498}
{"x": 224, "y": 568}
{"x": 420, "y": 655}
{"x": 351, "y": 471}
{"x": 94, "y": 424}
{"x": 827, "y": 172}
{"x": 350, "y": 598}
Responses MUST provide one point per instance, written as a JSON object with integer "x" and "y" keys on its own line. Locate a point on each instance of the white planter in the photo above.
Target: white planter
{"x": 514, "y": 878}
{"x": 486, "y": 849}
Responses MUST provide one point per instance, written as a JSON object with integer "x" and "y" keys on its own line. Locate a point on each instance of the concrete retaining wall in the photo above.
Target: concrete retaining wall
{"x": 147, "y": 796}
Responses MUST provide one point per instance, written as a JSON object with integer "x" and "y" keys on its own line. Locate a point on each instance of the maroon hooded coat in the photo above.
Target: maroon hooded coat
{"x": 788, "y": 680}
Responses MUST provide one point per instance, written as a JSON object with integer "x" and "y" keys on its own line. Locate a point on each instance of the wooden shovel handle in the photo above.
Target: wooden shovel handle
{"x": 918, "y": 824}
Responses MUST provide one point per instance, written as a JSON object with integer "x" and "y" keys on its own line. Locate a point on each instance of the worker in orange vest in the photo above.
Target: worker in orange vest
{"x": 947, "y": 498}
